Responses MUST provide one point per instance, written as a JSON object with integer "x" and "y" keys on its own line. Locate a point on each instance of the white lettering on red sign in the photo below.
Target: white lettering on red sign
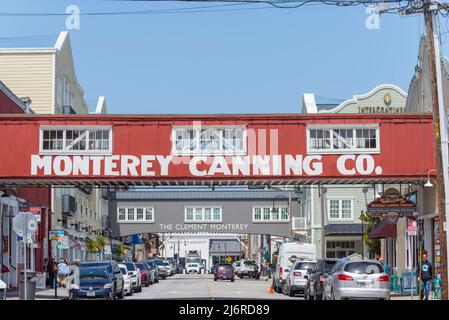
{"x": 199, "y": 166}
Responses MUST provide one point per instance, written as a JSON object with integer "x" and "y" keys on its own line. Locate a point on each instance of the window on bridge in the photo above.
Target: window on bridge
{"x": 76, "y": 140}
{"x": 202, "y": 214}
{"x": 325, "y": 139}
{"x": 270, "y": 214}
{"x": 145, "y": 215}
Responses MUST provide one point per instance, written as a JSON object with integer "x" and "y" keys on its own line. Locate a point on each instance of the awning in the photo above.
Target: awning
{"x": 383, "y": 230}
{"x": 343, "y": 229}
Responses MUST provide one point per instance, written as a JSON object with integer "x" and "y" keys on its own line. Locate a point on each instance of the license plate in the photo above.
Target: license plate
{"x": 91, "y": 293}
{"x": 364, "y": 284}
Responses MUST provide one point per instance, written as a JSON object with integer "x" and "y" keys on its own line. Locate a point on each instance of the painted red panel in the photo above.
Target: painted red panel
{"x": 406, "y": 145}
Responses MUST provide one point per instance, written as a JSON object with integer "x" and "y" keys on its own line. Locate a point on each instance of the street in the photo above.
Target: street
{"x": 184, "y": 286}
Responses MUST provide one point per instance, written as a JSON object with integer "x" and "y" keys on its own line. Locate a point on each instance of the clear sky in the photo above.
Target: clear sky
{"x": 258, "y": 61}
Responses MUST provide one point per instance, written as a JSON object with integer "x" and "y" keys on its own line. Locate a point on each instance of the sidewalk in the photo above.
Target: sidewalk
{"x": 41, "y": 294}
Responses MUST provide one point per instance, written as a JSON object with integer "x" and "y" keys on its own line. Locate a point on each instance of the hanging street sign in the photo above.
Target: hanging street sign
{"x": 392, "y": 205}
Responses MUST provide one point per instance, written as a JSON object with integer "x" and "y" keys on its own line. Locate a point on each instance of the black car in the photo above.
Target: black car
{"x": 316, "y": 279}
{"x": 99, "y": 279}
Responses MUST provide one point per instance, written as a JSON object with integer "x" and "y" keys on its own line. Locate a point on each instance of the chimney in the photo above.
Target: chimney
{"x": 27, "y": 103}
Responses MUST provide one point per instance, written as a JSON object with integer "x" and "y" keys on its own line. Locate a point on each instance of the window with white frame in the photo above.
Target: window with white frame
{"x": 340, "y": 139}
{"x": 227, "y": 140}
{"x": 270, "y": 214}
{"x": 135, "y": 214}
{"x": 203, "y": 214}
{"x": 76, "y": 140}
{"x": 342, "y": 209}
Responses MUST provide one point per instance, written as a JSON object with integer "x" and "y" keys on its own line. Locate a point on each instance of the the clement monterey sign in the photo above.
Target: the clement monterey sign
{"x": 167, "y": 149}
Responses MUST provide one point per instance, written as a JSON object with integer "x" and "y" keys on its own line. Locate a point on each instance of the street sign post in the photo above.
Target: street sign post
{"x": 25, "y": 225}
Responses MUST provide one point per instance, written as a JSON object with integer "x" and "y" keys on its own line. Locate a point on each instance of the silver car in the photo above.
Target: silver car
{"x": 295, "y": 282}
{"x": 356, "y": 278}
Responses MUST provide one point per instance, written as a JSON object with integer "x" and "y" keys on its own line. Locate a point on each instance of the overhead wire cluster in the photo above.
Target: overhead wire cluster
{"x": 394, "y": 6}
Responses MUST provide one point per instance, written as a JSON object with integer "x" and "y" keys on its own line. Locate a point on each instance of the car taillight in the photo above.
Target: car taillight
{"x": 384, "y": 278}
{"x": 297, "y": 273}
{"x": 280, "y": 273}
{"x": 344, "y": 277}
{"x": 322, "y": 279}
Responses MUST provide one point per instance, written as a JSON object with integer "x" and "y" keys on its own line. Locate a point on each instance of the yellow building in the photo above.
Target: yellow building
{"x": 46, "y": 74}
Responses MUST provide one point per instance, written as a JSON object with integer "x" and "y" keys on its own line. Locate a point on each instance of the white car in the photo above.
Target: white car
{"x": 193, "y": 268}
{"x": 236, "y": 265}
{"x": 296, "y": 282}
{"x": 127, "y": 283}
{"x": 134, "y": 273}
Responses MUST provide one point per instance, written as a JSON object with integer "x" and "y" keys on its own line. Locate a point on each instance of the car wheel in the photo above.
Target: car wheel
{"x": 284, "y": 289}
{"x": 114, "y": 292}
{"x": 140, "y": 288}
{"x": 232, "y": 280}
{"x": 332, "y": 294}
{"x": 306, "y": 294}
{"x": 291, "y": 293}
{"x": 215, "y": 279}
{"x": 122, "y": 293}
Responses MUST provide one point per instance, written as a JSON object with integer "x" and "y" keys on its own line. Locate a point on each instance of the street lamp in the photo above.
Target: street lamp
{"x": 428, "y": 183}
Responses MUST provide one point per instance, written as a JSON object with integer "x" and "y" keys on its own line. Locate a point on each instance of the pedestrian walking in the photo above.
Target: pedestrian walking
{"x": 63, "y": 271}
{"x": 385, "y": 266}
{"x": 426, "y": 276}
{"x": 51, "y": 266}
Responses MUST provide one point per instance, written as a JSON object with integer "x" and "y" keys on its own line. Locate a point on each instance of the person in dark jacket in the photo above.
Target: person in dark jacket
{"x": 426, "y": 276}
{"x": 51, "y": 271}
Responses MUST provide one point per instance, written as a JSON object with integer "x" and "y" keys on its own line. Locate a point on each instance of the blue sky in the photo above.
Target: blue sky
{"x": 259, "y": 61}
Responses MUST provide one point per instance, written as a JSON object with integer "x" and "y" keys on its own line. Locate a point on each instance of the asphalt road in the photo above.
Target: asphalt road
{"x": 184, "y": 286}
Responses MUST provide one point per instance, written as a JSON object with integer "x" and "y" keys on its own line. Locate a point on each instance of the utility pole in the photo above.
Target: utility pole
{"x": 440, "y": 135}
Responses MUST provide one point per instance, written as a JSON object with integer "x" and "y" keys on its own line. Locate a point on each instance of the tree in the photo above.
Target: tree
{"x": 119, "y": 250}
{"x": 370, "y": 223}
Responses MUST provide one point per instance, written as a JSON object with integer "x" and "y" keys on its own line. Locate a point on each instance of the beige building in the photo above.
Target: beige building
{"x": 47, "y": 76}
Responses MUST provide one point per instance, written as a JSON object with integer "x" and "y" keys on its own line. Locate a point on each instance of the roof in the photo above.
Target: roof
{"x": 201, "y": 195}
{"x": 11, "y": 95}
{"x": 343, "y": 228}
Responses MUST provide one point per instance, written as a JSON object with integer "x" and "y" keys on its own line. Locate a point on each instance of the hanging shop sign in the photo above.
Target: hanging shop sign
{"x": 391, "y": 206}
{"x": 55, "y": 234}
{"x": 412, "y": 227}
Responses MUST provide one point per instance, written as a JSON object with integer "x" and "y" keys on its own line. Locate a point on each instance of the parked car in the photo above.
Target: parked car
{"x": 315, "y": 280}
{"x": 154, "y": 270}
{"x": 99, "y": 279}
{"x": 236, "y": 266}
{"x": 160, "y": 266}
{"x": 134, "y": 272}
{"x": 214, "y": 268}
{"x": 192, "y": 268}
{"x": 357, "y": 278}
{"x": 288, "y": 253}
{"x": 146, "y": 276}
{"x": 179, "y": 268}
{"x": 224, "y": 271}
{"x": 169, "y": 267}
{"x": 127, "y": 279}
{"x": 248, "y": 268}
{"x": 296, "y": 281}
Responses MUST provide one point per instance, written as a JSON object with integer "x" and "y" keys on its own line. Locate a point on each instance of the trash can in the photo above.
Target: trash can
{"x": 31, "y": 285}
{"x": 394, "y": 283}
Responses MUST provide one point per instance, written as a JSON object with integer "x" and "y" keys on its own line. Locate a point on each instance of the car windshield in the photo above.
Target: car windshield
{"x": 225, "y": 267}
{"x": 123, "y": 270}
{"x": 93, "y": 272}
{"x": 305, "y": 266}
{"x": 250, "y": 263}
{"x": 141, "y": 266}
{"x": 364, "y": 267}
{"x": 158, "y": 262}
{"x": 166, "y": 263}
{"x": 98, "y": 265}
{"x": 328, "y": 265}
{"x": 130, "y": 266}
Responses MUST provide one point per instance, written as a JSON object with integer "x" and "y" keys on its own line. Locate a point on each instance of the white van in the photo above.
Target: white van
{"x": 290, "y": 252}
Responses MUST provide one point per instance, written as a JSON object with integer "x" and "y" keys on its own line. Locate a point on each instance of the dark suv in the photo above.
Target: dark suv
{"x": 315, "y": 280}
{"x": 99, "y": 279}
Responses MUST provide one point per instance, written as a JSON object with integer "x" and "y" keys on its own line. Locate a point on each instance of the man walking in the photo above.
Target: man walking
{"x": 426, "y": 277}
